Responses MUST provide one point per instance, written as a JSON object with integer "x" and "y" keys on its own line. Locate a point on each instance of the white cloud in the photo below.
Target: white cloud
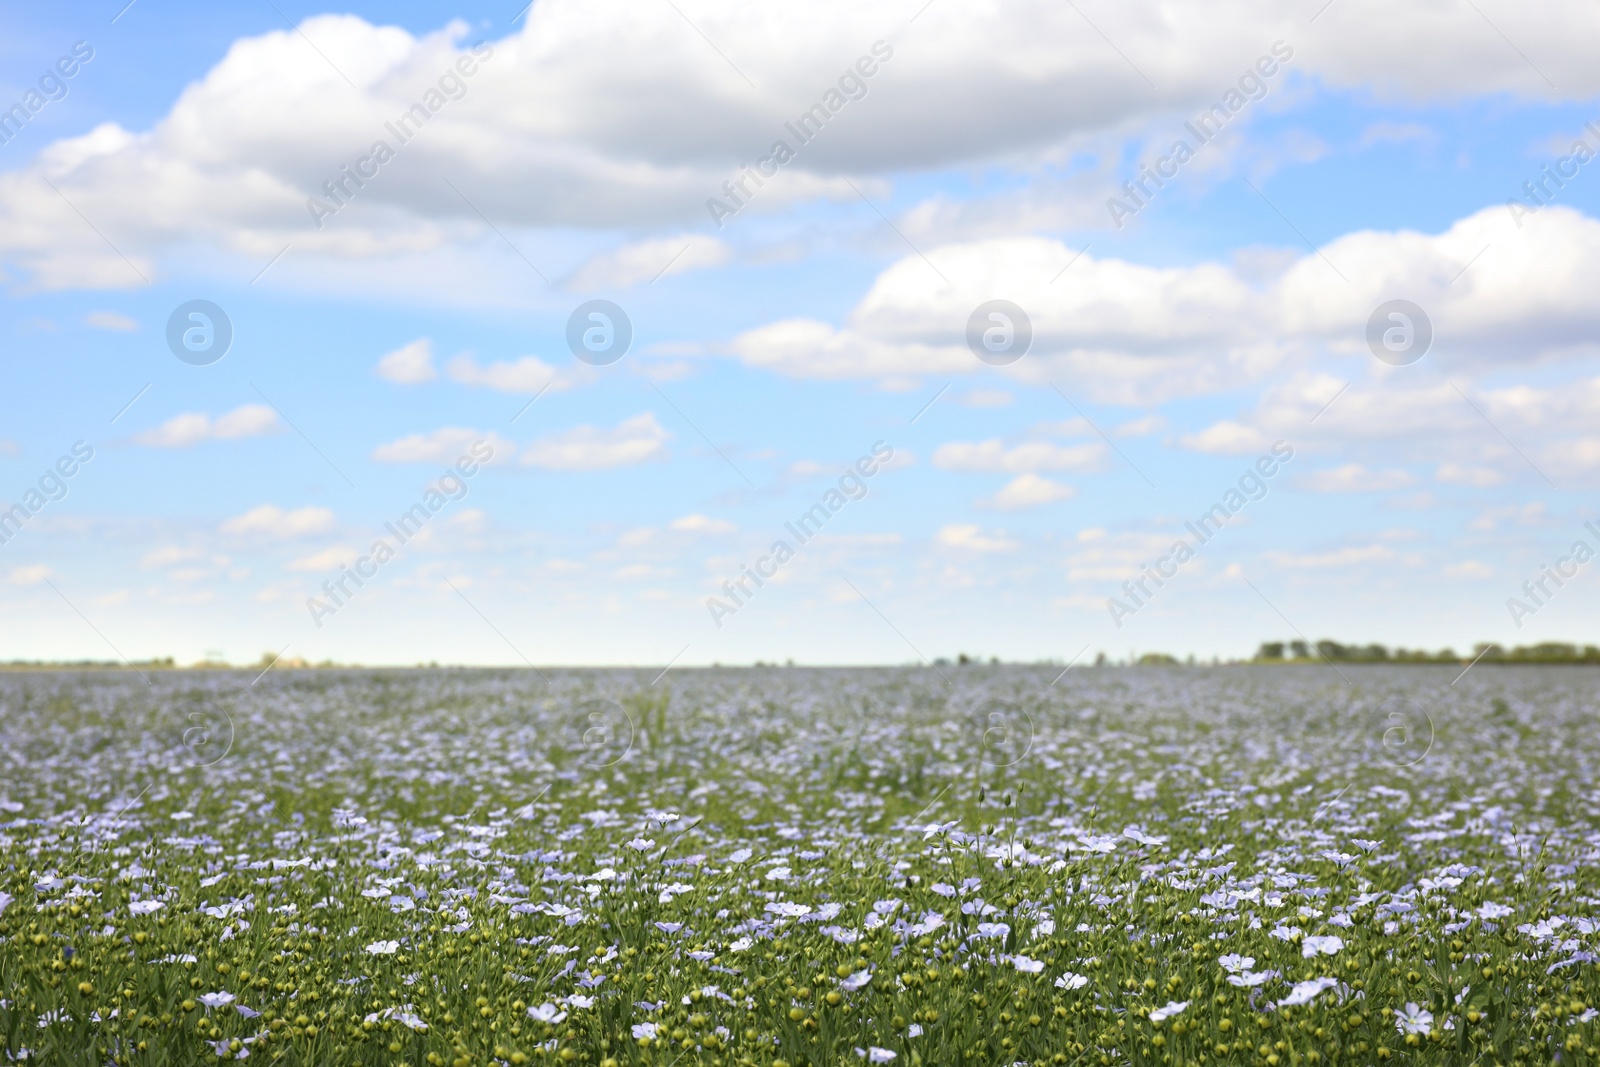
{"x": 1469, "y": 568}
{"x": 1028, "y": 491}
{"x": 329, "y": 559}
{"x": 527, "y": 375}
{"x": 30, "y": 575}
{"x": 588, "y": 448}
{"x": 649, "y": 125}
{"x": 973, "y": 539}
{"x": 647, "y": 261}
{"x": 445, "y": 446}
{"x": 1354, "y": 478}
{"x": 993, "y": 455}
{"x": 1133, "y": 334}
{"x": 1353, "y": 556}
{"x": 1457, "y": 474}
{"x": 191, "y": 428}
{"x": 410, "y": 364}
{"x": 700, "y": 524}
{"x": 273, "y": 521}
{"x": 987, "y": 398}
{"x": 1142, "y": 427}
{"x": 110, "y": 320}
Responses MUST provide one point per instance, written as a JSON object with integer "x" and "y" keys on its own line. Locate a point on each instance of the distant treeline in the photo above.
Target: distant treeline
{"x": 1334, "y": 652}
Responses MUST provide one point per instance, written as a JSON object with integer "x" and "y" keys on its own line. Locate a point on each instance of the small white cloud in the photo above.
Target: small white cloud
{"x": 9, "y": 447}
{"x": 1228, "y": 438}
{"x": 1354, "y": 556}
{"x": 191, "y": 428}
{"x": 987, "y": 398}
{"x": 1478, "y": 477}
{"x": 1469, "y": 568}
{"x": 700, "y": 524}
{"x": 275, "y": 522}
{"x": 169, "y": 555}
{"x": 110, "y": 320}
{"x": 329, "y": 559}
{"x": 973, "y": 539}
{"x": 646, "y": 261}
{"x": 1141, "y": 427}
{"x": 527, "y": 375}
{"x": 588, "y": 448}
{"x": 446, "y": 446}
{"x": 993, "y": 456}
{"x": 410, "y": 364}
{"x": 1028, "y": 491}
{"x": 30, "y": 575}
{"x": 1354, "y": 478}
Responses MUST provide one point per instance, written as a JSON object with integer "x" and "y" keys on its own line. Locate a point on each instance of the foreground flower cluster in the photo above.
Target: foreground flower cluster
{"x": 786, "y": 867}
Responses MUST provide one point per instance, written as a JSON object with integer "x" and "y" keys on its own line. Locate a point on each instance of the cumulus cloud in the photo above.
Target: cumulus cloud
{"x": 272, "y": 521}
{"x": 410, "y": 364}
{"x": 1354, "y": 478}
{"x": 191, "y": 428}
{"x": 110, "y": 320}
{"x": 32, "y": 575}
{"x": 445, "y": 446}
{"x": 993, "y": 455}
{"x": 701, "y": 524}
{"x": 589, "y": 448}
{"x": 526, "y": 375}
{"x": 1133, "y": 334}
{"x": 649, "y": 261}
{"x": 650, "y": 125}
{"x": 1028, "y": 491}
{"x": 326, "y": 560}
{"x": 974, "y": 539}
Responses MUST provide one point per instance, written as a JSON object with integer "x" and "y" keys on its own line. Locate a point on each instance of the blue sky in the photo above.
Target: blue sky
{"x": 772, "y": 351}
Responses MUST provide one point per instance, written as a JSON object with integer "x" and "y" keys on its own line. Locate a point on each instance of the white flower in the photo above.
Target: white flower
{"x": 876, "y": 1054}
{"x": 1071, "y": 981}
{"x": 740, "y": 945}
{"x": 376, "y": 892}
{"x": 547, "y": 1013}
{"x": 383, "y": 948}
{"x": 943, "y": 890}
{"x": 144, "y": 907}
{"x": 1285, "y": 933}
{"x": 641, "y": 844}
{"x": 1251, "y": 978}
{"x": 1413, "y": 1020}
{"x": 644, "y": 1031}
{"x": 1026, "y": 965}
{"x": 993, "y": 929}
{"x": 1234, "y": 963}
{"x": 1327, "y": 946}
{"x": 1306, "y": 992}
{"x": 1173, "y": 1008}
{"x": 5, "y": 900}
{"x": 856, "y": 981}
{"x": 1143, "y": 838}
{"x": 740, "y": 856}
{"x": 1044, "y": 928}
{"x": 914, "y": 1030}
{"x": 1490, "y": 910}
{"x": 778, "y": 874}
{"x": 578, "y": 1000}
{"x": 215, "y": 1000}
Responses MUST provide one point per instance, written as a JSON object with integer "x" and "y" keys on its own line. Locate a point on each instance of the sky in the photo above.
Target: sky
{"x": 689, "y": 331}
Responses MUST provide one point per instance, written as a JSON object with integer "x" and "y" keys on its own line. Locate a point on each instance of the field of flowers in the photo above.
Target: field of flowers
{"x": 1243, "y": 865}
